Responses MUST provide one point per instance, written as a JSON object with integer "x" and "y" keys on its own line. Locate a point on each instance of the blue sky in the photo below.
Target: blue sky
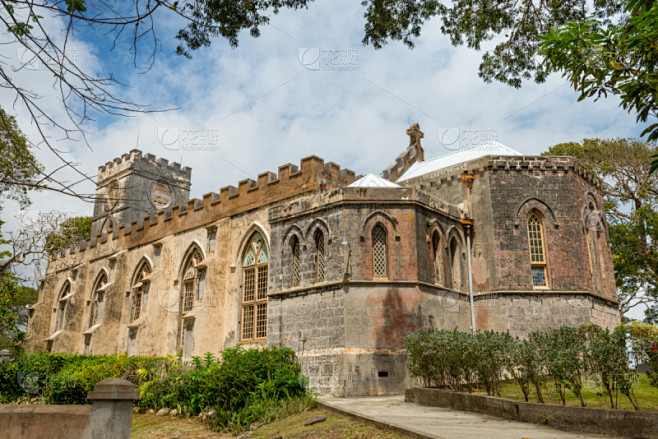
{"x": 261, "y": 108}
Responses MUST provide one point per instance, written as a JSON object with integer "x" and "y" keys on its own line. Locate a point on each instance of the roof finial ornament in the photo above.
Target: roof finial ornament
{"x": 415, "y": 134}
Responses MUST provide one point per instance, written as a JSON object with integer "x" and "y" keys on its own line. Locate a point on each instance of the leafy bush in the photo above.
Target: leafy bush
{"x": 242, "y": 386}
{"x": 66, "y": 378}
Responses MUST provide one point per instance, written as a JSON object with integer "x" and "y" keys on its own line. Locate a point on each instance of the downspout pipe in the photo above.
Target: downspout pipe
{"x": 470, "y": 277}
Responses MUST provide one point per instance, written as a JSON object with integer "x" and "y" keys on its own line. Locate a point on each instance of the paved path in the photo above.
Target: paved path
{"x": 436, "y": 422}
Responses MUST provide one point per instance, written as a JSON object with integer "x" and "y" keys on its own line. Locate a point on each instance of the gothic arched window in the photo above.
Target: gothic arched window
{"x": 294, "y": 250}
{"x": 96, "y": 304}
{"x": 456, "y": 264}
{"x": 138, "y": 291}
{"x": 379, "y": 259}
{"x": 254, "y": 289}
{"x": 191, "y": 280}
{"x": 319, "y": 256}
{"x": 437, "y": 260}
{"x": 537, "y": 251}
{"x": 62, "y": 302}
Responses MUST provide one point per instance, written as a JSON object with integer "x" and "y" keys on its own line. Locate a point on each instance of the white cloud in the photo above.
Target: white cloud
{"x": 356, "y": 118}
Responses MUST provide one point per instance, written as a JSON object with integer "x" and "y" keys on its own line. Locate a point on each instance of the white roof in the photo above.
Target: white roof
{"x": 463, "y": 155}
{"x": 372, "y": 180}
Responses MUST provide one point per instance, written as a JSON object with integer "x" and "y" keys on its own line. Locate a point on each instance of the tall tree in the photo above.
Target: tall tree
{"x": 600, "y": 58}
{"x": 70, "y": 231}
{"x": 631, "y": 196}
{"x": 19, "y": 169}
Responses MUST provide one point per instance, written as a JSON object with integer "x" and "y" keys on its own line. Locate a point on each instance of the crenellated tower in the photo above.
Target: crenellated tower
{"x": 133, "y": 186}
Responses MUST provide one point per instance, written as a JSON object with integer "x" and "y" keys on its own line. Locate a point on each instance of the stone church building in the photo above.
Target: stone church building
{"x": 336, "y": 267}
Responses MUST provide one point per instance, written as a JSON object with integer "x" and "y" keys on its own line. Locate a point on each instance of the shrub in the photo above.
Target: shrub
{"x": 564, "y": 355}
{"x": 243, "y": 386}
{"x": 66, "y": 378}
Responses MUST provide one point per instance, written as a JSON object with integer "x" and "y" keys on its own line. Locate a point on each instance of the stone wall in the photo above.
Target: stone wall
{"x": 110, "y": 416}
{"x": 350, "y": 337}
{"x": 616, "y": 423}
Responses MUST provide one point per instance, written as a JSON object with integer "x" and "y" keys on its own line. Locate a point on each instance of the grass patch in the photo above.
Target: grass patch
{"x": 334, "y": 427}
{"x": 647, "y": 396}
{"x": 289, "y": 426}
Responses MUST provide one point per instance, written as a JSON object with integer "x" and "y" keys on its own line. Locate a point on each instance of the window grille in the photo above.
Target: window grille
{"x": 379, "y": 251}
{"x": 262, "y": 282}
{"x": 319, "y": 256}
{"x": 295, "y": 263}
{"x": 261, "y": 320}
{"x": 189, "y": 296}
{"x": 248, "y": 322}
{"x": 249, "y": 284}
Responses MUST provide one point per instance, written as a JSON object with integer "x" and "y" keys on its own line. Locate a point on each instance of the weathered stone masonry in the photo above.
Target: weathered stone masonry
{"x": 342, "y": 270}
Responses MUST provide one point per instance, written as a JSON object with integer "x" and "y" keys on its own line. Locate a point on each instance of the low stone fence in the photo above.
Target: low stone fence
{"x": 109, "y": 416}
{"x": 636, "y": 424}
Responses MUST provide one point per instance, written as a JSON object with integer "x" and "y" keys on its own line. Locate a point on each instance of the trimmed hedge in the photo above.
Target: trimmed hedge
{"x": 564, "y": 357}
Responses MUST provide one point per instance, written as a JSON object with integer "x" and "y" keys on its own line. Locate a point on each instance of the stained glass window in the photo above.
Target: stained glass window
{"x": 254, "y": 289}
{"x": 379, "y": 251}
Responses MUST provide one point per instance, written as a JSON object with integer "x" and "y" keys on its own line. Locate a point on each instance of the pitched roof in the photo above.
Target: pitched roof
{"x": 372, "y": 180}
{"x": 463, "y": 155}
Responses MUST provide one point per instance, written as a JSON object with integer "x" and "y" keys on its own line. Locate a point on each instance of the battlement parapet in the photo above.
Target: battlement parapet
{"x": 359, "y": 196}
{"x": 290, "y": 181}
{"x": 546, "y": 164}
{"x": 534, "y": 164}
{"x": 135, "y": 158}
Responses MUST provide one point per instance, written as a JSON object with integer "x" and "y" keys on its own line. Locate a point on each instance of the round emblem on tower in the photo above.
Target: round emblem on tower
{"x": 161, "y": 195}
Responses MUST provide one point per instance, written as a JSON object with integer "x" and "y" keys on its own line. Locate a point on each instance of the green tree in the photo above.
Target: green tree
{"x": 631, "y": 197}
{"x": 600, "y": 58}
{"x": 13, "y": 301}
{"x": 70, "y": 231}
{"x": 19, "y": 169}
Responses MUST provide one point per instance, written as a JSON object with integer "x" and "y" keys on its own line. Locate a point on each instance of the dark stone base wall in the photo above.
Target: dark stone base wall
{"x": 350, "y": 337}
{"x": 521, "y": 313}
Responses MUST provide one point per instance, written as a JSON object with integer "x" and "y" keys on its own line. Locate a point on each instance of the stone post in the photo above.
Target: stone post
{"x": 112, "y": 413}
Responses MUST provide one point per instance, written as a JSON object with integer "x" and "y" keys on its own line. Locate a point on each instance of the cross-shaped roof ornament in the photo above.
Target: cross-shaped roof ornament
{"x": 415, "y": 134}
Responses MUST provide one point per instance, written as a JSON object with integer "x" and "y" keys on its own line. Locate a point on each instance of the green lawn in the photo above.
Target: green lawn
{"x": 647, "y": 396}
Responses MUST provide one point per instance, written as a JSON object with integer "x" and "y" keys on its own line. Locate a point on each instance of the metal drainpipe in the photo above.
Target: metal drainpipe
{"x": 470, "y": 278}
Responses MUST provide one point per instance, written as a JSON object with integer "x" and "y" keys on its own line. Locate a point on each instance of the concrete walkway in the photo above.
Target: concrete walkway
{"x": 435, "y": 422}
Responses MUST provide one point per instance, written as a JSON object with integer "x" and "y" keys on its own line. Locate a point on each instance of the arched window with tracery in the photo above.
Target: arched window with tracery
{"x": 62, "y": 303}
{"x": 96, "y": 304}
{"x": 254, "y": 289}
{"x": 537, "y": 251}
{"x": 379, "y": 256}
{"x": 139, "y": 290}
{"x": 295, "y": 252}
{"x": 319, "y": 255}
{"x": 191, "y": 275}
